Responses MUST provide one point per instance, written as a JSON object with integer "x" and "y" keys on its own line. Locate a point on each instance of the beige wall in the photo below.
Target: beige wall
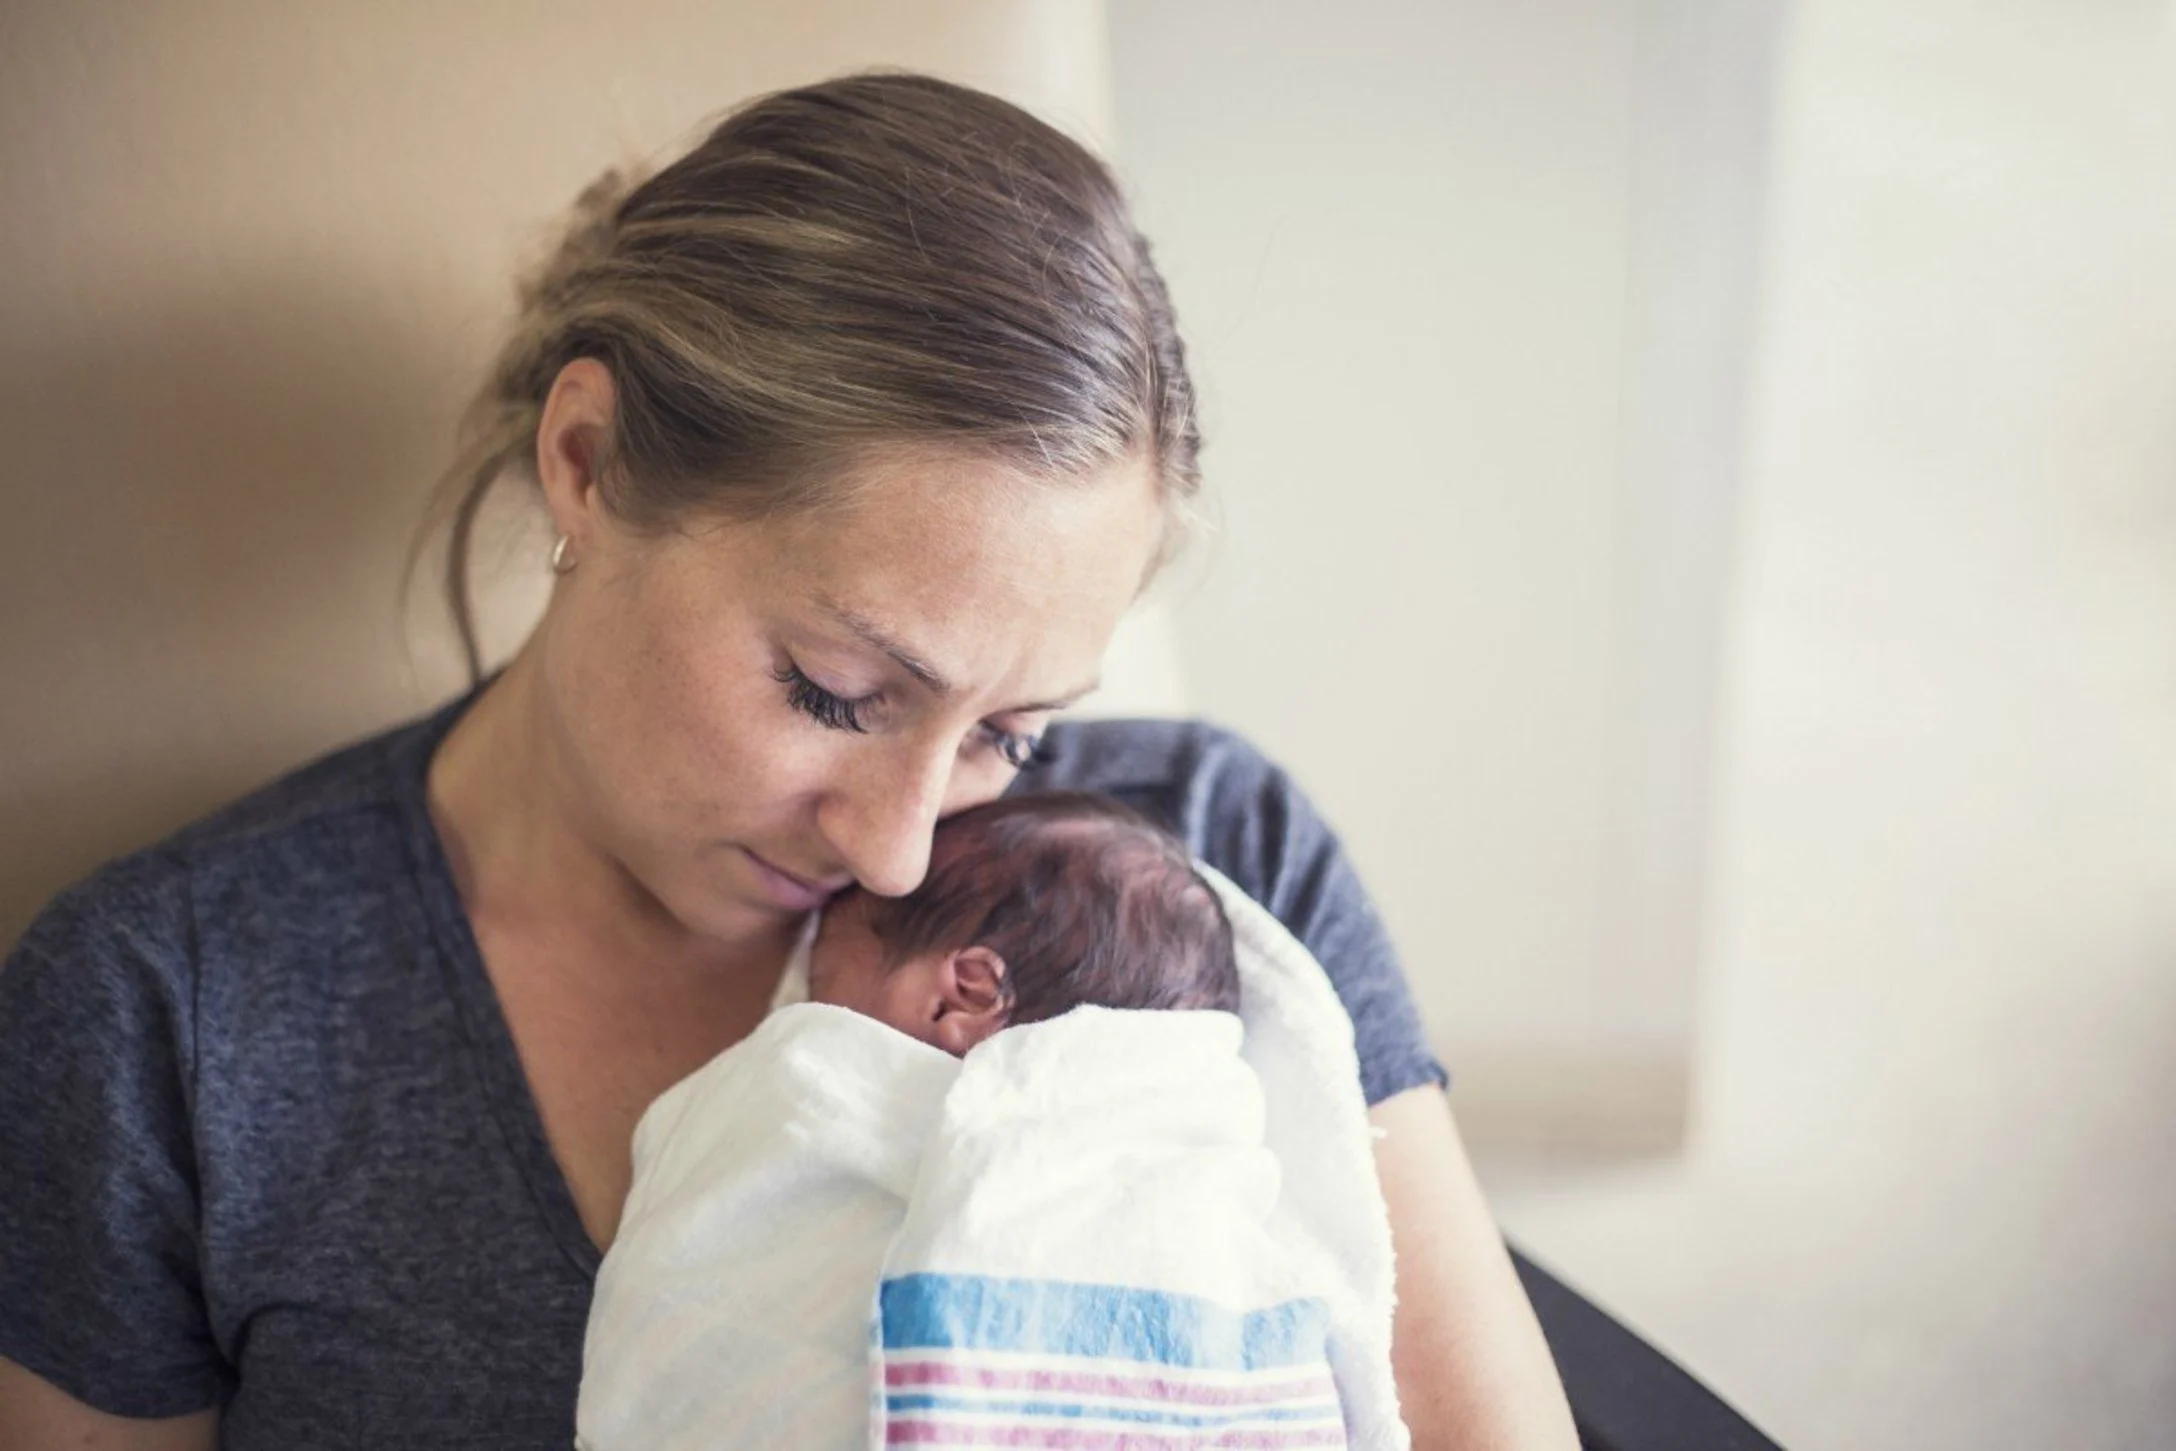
{"x": 251, "y": 254}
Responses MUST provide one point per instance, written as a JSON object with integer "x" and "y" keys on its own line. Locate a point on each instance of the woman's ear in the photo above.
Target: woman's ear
{"x": 570, "y": 447}
{"x": 972, "y": 1001}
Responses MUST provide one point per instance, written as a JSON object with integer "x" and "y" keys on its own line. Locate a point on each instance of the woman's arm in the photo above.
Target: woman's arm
{"x": 101, "y": 1298}
{"x": 36, "y": 1415}
{"x": 1473, "y": 1371}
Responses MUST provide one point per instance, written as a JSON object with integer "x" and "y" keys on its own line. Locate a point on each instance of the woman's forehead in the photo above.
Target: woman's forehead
{"x": 950, "y": 508}
{"x": 935, "y": 564}
{"x": 920, "y": 662}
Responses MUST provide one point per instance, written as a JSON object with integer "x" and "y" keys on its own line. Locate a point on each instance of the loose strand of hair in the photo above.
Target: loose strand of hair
{"x": 495, "y": 445}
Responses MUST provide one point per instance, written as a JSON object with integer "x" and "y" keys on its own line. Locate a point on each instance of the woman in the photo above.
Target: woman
{"x": 859, "y": 427}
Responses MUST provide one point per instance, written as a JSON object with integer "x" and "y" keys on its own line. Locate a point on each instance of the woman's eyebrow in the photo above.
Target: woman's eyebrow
{"x": 1037, "y": 707}
{"x": 875, "y": 636}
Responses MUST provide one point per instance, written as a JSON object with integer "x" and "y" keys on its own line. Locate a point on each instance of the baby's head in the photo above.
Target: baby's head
{"x": 1033, "y": 905}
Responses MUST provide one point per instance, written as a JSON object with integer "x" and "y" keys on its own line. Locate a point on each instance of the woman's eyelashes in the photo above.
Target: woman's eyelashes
{"x": 827, "y": 708}
{"x": 837, "y": 712}
{"x": 1018, "y": 751}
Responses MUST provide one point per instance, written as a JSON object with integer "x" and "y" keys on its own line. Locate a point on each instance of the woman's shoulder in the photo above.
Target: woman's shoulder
{"x": 1196, "y": 765}
{"x": 299, "y": 839}
{"x": 1239, "y": 811}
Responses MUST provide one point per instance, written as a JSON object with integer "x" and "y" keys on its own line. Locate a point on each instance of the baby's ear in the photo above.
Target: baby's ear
{"x": 974, "y": 1003}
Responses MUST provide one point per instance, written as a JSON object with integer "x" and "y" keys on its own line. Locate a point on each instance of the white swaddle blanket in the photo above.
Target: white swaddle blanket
{"x": 1112, "y": 1229}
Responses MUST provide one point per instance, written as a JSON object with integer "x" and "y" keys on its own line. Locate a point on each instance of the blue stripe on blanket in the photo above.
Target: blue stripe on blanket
{"x": 1106, "y": 1411}
{"x": 1103, "y": 1322}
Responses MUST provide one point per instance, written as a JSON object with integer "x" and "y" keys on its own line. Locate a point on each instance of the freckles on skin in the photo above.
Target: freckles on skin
{"x": 650, "y": 695}
{"x": 684, "y": 747}
{"x": 663, "y": 653}
{"x": 1011, "y": 586}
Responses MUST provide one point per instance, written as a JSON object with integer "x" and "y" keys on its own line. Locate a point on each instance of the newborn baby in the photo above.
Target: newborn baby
{"x": 845, "y": 1142}
{"x": 1032, "y": 906}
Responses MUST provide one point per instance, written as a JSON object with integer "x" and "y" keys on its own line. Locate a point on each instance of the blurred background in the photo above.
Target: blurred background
{"x": 1698, "y": 492}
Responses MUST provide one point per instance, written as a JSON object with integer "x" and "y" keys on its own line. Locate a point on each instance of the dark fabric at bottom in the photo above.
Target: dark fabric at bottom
{"x": 1625, "y": 1394}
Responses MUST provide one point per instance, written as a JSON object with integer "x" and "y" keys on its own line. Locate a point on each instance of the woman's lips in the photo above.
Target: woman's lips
{"x": 792, "y": 892}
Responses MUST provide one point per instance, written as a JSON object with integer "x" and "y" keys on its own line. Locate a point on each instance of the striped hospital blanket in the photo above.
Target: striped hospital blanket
{"x": 971, "y": 1360}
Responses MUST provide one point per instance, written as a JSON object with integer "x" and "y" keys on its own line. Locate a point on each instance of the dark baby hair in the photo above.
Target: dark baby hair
{"x": 1086, "y": 900}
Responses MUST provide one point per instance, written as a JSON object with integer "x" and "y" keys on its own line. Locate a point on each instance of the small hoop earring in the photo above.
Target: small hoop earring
{"x": 561, "y": 564}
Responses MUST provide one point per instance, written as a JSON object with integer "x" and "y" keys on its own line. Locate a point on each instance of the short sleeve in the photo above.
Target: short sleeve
{"x": 1243, "y": 815}
{"x": 99, "y": 1286}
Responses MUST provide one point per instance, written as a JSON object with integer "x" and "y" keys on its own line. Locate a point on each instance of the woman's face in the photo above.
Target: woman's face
{"x": 750, "y": 715}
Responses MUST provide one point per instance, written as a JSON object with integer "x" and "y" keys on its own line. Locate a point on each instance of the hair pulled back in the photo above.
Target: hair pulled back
{"x": 876, "y": 260}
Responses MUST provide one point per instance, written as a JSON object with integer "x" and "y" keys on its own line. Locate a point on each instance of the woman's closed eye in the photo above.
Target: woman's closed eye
{"x": 1017, "y": 749}
{"x": 826, "y": 707}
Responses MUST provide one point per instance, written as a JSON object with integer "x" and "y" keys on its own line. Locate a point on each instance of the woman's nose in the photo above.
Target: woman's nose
{"x": 881, "y": 815}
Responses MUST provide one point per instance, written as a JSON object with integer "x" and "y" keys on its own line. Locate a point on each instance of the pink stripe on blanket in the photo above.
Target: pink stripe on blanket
{"x": 1157, "y": 1388}
{"x": 1070, "y": 1438}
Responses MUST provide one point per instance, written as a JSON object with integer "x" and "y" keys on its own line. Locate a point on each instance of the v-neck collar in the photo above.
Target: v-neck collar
{"x": 491, "y": 1051}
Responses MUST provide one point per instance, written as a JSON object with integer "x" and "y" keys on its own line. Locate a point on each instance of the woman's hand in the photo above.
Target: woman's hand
{"x": 1473, "y": 1371}
{"x": 36, "y": 1415}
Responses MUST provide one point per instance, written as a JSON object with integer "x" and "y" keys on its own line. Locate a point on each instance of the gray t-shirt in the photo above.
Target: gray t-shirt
{"x": 265, "y": 1142}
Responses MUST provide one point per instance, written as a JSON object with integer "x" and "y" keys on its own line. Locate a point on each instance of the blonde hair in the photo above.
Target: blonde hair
{"x": 876, "y": 260}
